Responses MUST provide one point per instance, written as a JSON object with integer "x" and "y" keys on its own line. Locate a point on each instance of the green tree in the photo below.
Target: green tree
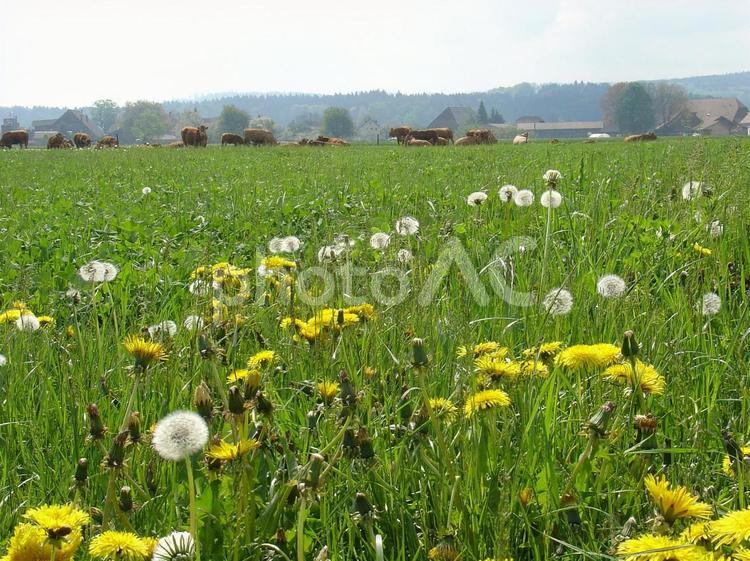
{"x": 482, "y": 116}
{"x": 233, "y": 120}
{"x": 496, "y": 117}
{"x": 634, "y": 111}
{"x": 144, "y": 120}
{"x": 609, "y": 104}
{"x": 104, "y": 113}
{"x": 668, "y": 100}
{"x": 338, "y": 122}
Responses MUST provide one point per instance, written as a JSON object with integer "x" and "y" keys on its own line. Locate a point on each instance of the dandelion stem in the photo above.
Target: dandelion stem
{"x": 301, "y": 530}
{"x": 193, "y": 512}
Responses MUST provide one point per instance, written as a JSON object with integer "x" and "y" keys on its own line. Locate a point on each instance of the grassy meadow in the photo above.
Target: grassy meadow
{"x": 376, "y": 428}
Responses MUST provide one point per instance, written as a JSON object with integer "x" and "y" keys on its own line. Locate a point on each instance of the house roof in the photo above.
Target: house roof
{"x": 708, "y": 111}
{"x": 563, "y": 125}
{"x": 43, "y": 124}
{"x": 529, "y": 119}
{"x": 71, "y": 119}
{"x": 453, "y": 117}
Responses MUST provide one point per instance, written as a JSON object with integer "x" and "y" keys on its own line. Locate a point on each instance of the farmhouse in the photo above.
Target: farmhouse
{"x": 68, "y": 123}
{"x": 369, "y": 130}
{"x": 10, "y": 123}
{"x": 714, "y": 117}
{"x": 456, "y": 118}
{"x": 562, "y": 129}
{"x": 745, "y": 123}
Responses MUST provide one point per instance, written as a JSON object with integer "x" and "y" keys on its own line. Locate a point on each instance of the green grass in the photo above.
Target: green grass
{"x": 63, "y": 209}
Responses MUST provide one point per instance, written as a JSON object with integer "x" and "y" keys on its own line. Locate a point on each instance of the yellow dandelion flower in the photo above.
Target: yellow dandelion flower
{"x": 226, "y": 452}
{"x": 144, "y": 352}
{"x": 69, "y": 331}
{"x": 485, "y": 399}
{"x": 261, "y": 359}
{"x": 533, "y": 367}
{"x": 650, "y": 381}
{"x": 443, "y": 408}
{"x": 276, "y": 263}
{"x": 495, "y": 368}
{"x": 58, "y": 520}
{"x": 248, "y": 376}
{"x": 443, "y": 551}
{"x": 13, "y": 315}
{"x": 740, "y": 554}
{"x": 659, "y": 548}
{"x": 31, "y": 543}
{"x": 116, "y": 546}
{"x": 369, "y": 372}
{"x": 696, "y": 532}
{"x": 364, "y": 311}
{"x": 331, "y": 318}
{"x": 328, "y": 390}
{"x": 675, "y": 503}
{"x": 525, "y": 496}
{"x": 546, "y": 350}
{"x": 481, "y": 349}
{"x": 731, "y": 529}
{"x": 45, "y": 320}
{"x": 583, "y": 356}
{"x": 726, "y": 464}
{"x": 703, "y": 251}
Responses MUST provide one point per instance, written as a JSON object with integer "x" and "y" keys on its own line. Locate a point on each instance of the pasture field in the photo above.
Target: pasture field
{"x": 376, "y": 426}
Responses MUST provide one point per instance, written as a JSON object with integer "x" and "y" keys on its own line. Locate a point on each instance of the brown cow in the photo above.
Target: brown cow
{"x": 176, "y": 144}
{"x": 81, "y": 140}
{"x": 445, "y": 133}
{"x": 108, "y": 142}
{"x": 399, "y": 133}
{"x": 641, "y": 137}
{"x": 332, "y": 140}
{"x": 195, "y": 136}
{"x": 56, "y": 141}
{"x": 10, "y": 138}
{"x": 441, "y": 141}
{"x": 467, "y": 141}
{"x": 259, "y": 137}
{"x": 483, "y": 136}
{"x": 427, "y": 134}
{"x": 231, "y": 138}
{"x": 411, "y": 141}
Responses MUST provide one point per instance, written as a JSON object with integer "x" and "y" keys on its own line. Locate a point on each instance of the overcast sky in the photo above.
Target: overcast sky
{"x": 73, "y": 52}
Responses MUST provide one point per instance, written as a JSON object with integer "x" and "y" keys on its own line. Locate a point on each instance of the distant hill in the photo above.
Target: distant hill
{"x": 577, "y": 101}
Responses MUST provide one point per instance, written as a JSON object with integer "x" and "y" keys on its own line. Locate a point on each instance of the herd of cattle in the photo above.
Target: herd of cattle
{"x": 198, "y": 137}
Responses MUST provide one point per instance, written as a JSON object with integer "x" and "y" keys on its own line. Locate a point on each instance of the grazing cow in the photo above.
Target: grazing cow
{"x": 108, "y": 142}
{"x": 641, "y": 137}
{"x": 482, "y": 136}
{"x": 195, "y": 136}
{"x": 259, "y": 137}
{"x": 231, "y": 138}
{"x": 176, "y": 144}
{"x": 56, "y": 141}
{"x": 67, "y": 143}
{"x": 411, "y": 141}
{"x": 445, "y": 133}
{"x": 332, "y": 140}
{"x": 522, "y": 138}
{"x": 19, "y": 137}
{"x": 467, "y": 141}
{"x": 429, "y": 135}
{"x": 399, "y": 133}
{"x": 554, "y": 141}
{"x": 81, "y": 140}
{"x": 441, "y": 141}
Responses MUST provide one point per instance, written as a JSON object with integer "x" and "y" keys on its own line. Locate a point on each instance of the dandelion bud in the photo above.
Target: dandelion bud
{"x": 96, "y": 515}
{"x": 347, "y": 392}
{"x": 418, "y": 352}
{"x": 151, "y": 478}
{"x": 82, "y": 471}
{"x": 568, "y": 503}
{"x": 316, "y": 467}
{"x": 629, "y": 345}
{"x": 70, "y": 332}
{"x": 280, "y": 538}
{"x": 525, "y": 496}
{"x": 340, "y": 318}
{"x": 263, "y": 405}
{"x": 203, "y": 402}
{"x": 445, "y": 550}
{"x": 349, "y": 442}
{"x": 733, "y": 450}
{"x": 126, "y": 499}
{"x": 366, "y": 450}
{"x": 252, "y": 383}
{"x": 598, "y": 423}
{"x": 362, "y": 505}
{"x": 96, "y": 427}
{"x": 116, "y": 455}
{"x": 312, "y": 420}
{"x": 645, "y": 426}
{"x": 405, "y": 408}
{"x": 236, "y": 401}
{"x": 134, "y": 427}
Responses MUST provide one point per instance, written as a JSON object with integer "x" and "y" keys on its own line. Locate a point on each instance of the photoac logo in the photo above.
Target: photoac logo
{"x": 320, "y": 285}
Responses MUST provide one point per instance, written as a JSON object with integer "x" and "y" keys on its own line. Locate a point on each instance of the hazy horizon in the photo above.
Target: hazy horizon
{"x": 79, "y": 52}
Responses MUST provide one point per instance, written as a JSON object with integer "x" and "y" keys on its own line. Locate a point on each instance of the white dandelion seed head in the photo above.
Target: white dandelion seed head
{"x": 328, "y": 253}
{"x": 507, "y": 193}
{"x": 166, "y": 328}
{"x": 146, "y": 190}
{"x": 404, "y": 256}
{"x": 344, "y": 242}
{"x": 552, "y": 177}
{"x": 611, "y": 286}
{"x": 550, "y": 199}
{"x": 262, "y": 271}
{"x": 289, "y": 244}
{"x": 715, "y": 229}
{"x": 73, "y": 294}
{"x": 477, "y": 198}
{"x": 524, "y": 198}
{"x": 3, "y": 360}
{"x": 710, "y": 304}
{"x": 177, "y": 546}
{"x": 179, "y": 435}
{"x": 407, "y": 226}
{"x": 27, "y": 322}
{"x": 691, "y": 190}
{"x": 199, "y": 288}
{"x": 558, "y": 302}
{"x": 193, "y": 323}
{"x": 380, "y": 240}
{"x": 98, "y": 271}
